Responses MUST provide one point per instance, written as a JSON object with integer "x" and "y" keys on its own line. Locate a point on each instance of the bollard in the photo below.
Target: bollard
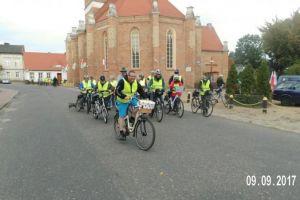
{"x": 264, "y": 105}
{"x": 189, "y": 97}
{"x": 230, "y": 103}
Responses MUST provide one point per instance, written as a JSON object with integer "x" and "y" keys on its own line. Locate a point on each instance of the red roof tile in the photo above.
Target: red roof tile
{"x": 44, "y": 61}
{"x": 127, "y": 8}
{"x": 210, "y": 39}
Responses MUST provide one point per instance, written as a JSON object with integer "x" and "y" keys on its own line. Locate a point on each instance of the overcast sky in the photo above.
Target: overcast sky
{"x": 42, "y": 25}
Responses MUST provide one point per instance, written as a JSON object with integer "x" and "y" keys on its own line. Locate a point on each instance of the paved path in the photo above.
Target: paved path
{"x": 6, "y": 95}
{"x": 49, "y": 152}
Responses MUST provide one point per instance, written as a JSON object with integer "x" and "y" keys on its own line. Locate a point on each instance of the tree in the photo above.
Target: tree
{"x": 281, "y": 41}
{"x": 249, "y": 51}
{"x": 232, "y": 81}
{"x": 248, "y": 80}
{"x": 263, "y": 76}
{"x": 294, "y": 69}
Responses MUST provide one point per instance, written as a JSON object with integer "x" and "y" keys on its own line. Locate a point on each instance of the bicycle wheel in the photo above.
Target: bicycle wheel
{"x": 225, "y": 101}
{"x": 116, "y": 127}
{"x": 159, "y": 111}
{"x": 167, "y": 106}
{"x": 88, "y": 105}
{"x": 195, "y": 104}
{"x": 79, "y": 104}
{"x": 95, "y": 112}
{"x": 144, "y": 134}
{"x": 180, "y": 108}
{"x": 209, "y": 109}
{"x": 105, "y": 115}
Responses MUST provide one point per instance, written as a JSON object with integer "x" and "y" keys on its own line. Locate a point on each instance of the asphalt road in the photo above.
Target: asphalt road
{"x": 50, "y": 152}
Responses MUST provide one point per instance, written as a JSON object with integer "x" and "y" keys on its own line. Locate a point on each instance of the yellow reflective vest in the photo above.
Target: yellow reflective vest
{"x": 129, "y": 90}
{"x": 157, "y": 84}
{"x": 103, "y": 88}
{"x": 204, "y": 87}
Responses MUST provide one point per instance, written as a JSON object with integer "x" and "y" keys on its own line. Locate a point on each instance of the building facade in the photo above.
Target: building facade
{"x": 143, "y": 35}
{"x": 44, "y": 66}
{"x": 11, "y": 61}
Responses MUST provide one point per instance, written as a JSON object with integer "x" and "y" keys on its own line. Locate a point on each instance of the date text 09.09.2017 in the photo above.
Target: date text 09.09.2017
{"x": 267, "y": 180}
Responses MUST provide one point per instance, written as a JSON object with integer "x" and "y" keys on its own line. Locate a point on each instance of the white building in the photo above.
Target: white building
{"x": 11, "y": 61}
{"x": 41, "y": 66}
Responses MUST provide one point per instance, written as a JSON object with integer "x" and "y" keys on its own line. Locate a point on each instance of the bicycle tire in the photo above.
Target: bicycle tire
{"x": 88, "y": 105}
{"x": 78, "y": 104}
{"x": 180, "y": 105}
{"x": 116, "y": 127}
{"x": 105, "y": 115}
{"x": 195, "y": 104}
{"x": 225, "y": 101}
{"x": 209, "y": 110}
{"x": 167, "y": 106}
{"x": 95, "y": 113}
{"x": 139, "y": 136}
{"x": 159, "y": 112}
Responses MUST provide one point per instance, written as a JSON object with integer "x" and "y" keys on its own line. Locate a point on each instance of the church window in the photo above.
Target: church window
{"x": 135, "y": 48}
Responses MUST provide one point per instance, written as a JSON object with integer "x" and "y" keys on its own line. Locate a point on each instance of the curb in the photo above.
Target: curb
{"x": 15, "y": 93}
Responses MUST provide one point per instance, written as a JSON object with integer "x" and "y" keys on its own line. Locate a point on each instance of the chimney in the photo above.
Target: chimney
{"x": 225, "y": 46}
{"x": 190, "y": 13}
{"x": 209, "y": 25}
{"x": 155, "y": 6}
{"x": 198, "y": 21}
{"x": 81, "y": 26}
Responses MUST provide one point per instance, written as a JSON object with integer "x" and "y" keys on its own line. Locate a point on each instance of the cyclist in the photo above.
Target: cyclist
{"x": 206, "y": 88}
{"x": 105, "y": 87}
{"x": 84, "y": 86}
{"x": 175, "y": 83}
{"x": 122, "y": 75}
{"x": 149, "y": 78}
{"x": 176, "y": 72}
{"x": 220, "y": 83}
{"x": 142, "y": 80}
{"x": 126, "y": 89}
{"x": 157, "y": 84}
{"x": 93, "y": 81}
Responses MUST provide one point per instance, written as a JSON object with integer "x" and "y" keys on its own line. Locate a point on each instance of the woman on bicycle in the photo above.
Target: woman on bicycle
{"x": 173, "y": 87}
{"x": 126, "y": 89}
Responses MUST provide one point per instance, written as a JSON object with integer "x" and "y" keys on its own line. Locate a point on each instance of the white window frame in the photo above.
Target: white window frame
{"x": 135, "y": 48}
{"x": 40, "y": 75}
{"x": 48, "y": 75}
{"x": 17, "y": 74}
{"x": 31, "y": 75}
{"x": 170, "y": 50}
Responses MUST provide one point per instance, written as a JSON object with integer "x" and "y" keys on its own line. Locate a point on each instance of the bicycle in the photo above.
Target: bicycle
{"x": 159, "y": 106}
{"x": 176, "y": 105}
{"x": 219, "y": 94}
{"x": 142, "y": 128}
{"x": 206, "y": 107}
{"x": 84, "y": 99}
{"x": 100, "y": 108}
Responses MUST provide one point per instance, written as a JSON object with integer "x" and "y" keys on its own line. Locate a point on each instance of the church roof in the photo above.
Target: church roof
{"x": 35, "y": 61}
{"x": 210, "y": 39}
{"x": 127, "y": 8}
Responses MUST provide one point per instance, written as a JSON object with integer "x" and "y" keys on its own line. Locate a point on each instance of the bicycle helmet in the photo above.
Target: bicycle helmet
{"x": 157, "y": 72}
{"x": 176, "y": 71}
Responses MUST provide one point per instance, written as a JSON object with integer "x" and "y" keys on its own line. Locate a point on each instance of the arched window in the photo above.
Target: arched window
{"x": 105, "y": 51}
{"x": 170, "y": 49}
{"x": 135, "y": 48}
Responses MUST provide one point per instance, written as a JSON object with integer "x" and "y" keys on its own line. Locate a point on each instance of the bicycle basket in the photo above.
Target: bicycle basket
{"x": 146, "y": 106}
{"x": 179, "y": 89}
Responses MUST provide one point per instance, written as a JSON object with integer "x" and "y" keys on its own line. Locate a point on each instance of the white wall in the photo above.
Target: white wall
{"x": 44, "y": 75}
{"x": 12, "y": 64}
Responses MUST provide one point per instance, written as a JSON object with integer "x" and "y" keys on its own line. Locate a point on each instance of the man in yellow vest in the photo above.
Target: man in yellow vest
{"x": 150, "y": 77}
{"x": 157, "y": 86}
{"x": 205, "y": 87}
{"x": 84, "y": 86}
{"x": 125, "y": 91}
{"x": 142, "y": 80}
{"x": 104, "y": 87}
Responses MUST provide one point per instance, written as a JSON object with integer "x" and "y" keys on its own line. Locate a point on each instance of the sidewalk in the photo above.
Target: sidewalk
{"x": 279, "y": 117}
{"x": 6, "y": 96}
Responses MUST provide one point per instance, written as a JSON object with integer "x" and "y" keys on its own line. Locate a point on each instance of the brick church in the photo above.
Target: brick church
{"x": 143, "y": 35}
